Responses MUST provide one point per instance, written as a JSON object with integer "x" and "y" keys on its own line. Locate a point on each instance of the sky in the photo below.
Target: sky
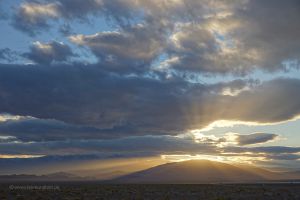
{"x": 86, "y": 81}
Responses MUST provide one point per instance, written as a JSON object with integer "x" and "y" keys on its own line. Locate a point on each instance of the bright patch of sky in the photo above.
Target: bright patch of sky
{"x": 289, "y": 131}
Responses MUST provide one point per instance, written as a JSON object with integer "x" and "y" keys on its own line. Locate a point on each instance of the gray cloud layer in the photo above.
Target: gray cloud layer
{"x": 154, "y": 145}
{"x": 146, "y": 146}
{"x": 255, "y": 138}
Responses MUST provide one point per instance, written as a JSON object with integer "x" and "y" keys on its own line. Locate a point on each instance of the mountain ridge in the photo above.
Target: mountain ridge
{"x": 201, "y": 171}
{"x": 192, "y": 171}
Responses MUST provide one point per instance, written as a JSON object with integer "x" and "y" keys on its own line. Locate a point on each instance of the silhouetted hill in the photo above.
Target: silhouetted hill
{"x": 200, "y": 171}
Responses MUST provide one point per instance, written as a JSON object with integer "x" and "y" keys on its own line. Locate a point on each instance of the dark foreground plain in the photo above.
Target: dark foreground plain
{"x": 91, "y": 191}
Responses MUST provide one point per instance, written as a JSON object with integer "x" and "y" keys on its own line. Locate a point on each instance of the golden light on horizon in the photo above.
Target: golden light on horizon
{"x": 180, "y": 158}
{"x": 246, "y": 158}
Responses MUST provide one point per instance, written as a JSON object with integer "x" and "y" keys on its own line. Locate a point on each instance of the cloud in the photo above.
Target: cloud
{"x": 32, "y": 17}
{"x": 239, "y": 40}
{"x": 86, "y": 95}
{"x": 283, "y": 157}
{"x": 263, "y": 149}
{"x": 203, "y": 36}
{"x": 234, "y": 139}
{"x": 46, "y": 53}
{"x": 194, "y": 48}
{"x": 130, "y": 50}
{"x": 78, "y": 8}
{"x": 8, "y": 55}
{"x": 152, "y": 145}
{"x": 255, "y": 138}
{"x": 121, "y": 11}
{"x": 29, "y": 129}
{"x": 35, "y": 16}
{"x": 143, "y": 146}
{"x": 265, "y": 155}
{"x": 272, "y": 39}
{"x": 5, "y": 54}
{"x": 6, "y": 139}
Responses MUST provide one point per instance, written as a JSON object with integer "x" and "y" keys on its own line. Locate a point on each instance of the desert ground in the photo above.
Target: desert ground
{"x": 91, "y": 191}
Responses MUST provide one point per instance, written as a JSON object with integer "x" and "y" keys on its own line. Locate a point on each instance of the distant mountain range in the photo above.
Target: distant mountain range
{"x": 204, "y": 171}
{"x": 59, "y": 176}
{"x": 193, "y": 171}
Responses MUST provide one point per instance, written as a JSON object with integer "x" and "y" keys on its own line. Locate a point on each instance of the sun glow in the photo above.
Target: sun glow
{"x": 180, "y": 158}
{"x": 246, "y": 158}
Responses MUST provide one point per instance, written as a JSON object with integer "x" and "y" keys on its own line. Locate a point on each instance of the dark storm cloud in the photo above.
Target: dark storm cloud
{"x": 255, "y": 138}
{"x": 46, "y": 53}
{"x": 86, "y": 95}
{"x": 34, "y": 129}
